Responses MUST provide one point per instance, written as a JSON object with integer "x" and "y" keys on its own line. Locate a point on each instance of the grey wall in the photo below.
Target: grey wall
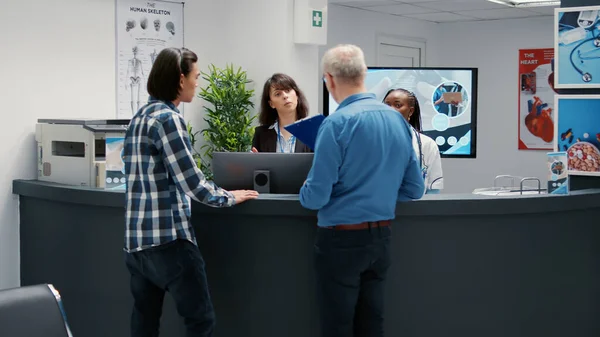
{"x": 492, "y": 47}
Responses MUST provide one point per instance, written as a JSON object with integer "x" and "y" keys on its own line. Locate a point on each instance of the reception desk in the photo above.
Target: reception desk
{"x": 463, "y": 265}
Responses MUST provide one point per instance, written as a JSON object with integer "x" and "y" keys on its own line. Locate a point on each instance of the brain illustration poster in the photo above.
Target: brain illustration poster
{"x": 536, "y": 99}
{"x": 143, "y": 29}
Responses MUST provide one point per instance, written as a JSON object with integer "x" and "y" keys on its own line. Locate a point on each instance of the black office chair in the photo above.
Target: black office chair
{"x": 32, "y": 311}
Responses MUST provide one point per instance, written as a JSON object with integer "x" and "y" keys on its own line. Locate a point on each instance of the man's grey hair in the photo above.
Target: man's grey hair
{"x": 346, "y": 63}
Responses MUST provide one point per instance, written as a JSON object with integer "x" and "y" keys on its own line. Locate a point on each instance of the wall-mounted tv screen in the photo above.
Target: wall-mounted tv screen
{"x": 447, "y": 97}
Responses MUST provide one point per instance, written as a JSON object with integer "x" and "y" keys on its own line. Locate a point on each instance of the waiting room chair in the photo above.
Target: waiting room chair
{"x": 32, "y": 311}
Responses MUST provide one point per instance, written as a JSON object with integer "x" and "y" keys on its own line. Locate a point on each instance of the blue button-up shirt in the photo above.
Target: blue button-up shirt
{"x": 282, "y": 145}
{"x": 363, "y": 164}
{"x": 161, "y": 175}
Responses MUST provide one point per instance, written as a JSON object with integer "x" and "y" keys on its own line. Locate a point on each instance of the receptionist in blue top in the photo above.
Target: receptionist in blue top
{"x": 282, "y": 103}
{"x": 426, "y": 149}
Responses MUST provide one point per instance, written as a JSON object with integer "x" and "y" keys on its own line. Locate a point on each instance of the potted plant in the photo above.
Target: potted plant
{"x": 192, "y": 134}
{"x": 228, "y": 116}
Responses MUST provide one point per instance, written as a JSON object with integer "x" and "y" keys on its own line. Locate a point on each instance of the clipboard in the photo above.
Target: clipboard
{"x": 452, "y": 97}
{"x": 306, "y": 129}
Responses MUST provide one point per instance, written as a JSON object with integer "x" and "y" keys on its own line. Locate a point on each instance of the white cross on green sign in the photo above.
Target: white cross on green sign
{"x": 317, "y": 19}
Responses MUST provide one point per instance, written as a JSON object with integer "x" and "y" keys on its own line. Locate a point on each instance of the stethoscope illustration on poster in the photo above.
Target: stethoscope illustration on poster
{"x": 577, "y": 47}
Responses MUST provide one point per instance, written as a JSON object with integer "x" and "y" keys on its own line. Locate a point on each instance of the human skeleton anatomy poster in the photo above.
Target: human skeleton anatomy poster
{"x": 144, "y": 28}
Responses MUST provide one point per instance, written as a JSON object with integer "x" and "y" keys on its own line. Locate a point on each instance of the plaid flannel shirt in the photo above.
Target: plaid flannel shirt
{"x": 161, "y": 177}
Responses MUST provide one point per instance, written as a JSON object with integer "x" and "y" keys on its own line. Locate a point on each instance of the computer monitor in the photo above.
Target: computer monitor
{"x": 246, "y": 171}
{"x": 447, "y": 97}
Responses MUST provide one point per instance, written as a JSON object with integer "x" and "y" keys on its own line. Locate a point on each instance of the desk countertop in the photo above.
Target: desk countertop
{"x": 288, "y": 204}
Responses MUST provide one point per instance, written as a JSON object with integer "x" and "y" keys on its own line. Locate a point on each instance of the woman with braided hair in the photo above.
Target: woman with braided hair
{"x": 426, "y": 149}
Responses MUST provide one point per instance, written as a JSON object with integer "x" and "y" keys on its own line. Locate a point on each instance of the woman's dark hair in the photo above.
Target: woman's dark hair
{"x": 415, "y": 120}
{"x": 268, "y": 115}
{"x": 164, "y": 78}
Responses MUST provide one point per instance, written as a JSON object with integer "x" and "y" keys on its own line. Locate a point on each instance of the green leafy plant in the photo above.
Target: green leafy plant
{"x": 228, "y": 116}
{"x": 193, "y": 139}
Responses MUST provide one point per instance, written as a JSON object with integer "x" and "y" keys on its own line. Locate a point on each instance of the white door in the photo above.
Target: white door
{"x": 393, "y": 51}
{"x": 399, "y": 56}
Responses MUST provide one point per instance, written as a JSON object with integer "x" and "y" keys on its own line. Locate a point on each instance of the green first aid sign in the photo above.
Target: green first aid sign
{"x": 317, "y": 18}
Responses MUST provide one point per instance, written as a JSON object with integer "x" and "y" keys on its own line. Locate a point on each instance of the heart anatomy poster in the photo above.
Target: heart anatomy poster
{"x": 536, "y": 99}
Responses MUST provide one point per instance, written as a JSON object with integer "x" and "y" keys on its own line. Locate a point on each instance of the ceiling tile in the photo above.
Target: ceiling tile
{"x": 445, "y": 10}
{"x": 506, "y": 13}
{"x": 362, "y": 3}
{"x": 439, "y": 17}
{"x": 426, "y": 1}
{"x": 542, "y": 10}
{"x": 402, "y": 9}
{"x": 460, "y": 5}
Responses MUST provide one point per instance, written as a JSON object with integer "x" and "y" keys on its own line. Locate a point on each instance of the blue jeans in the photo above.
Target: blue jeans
{"x": 351, "y": 266}
{"x": 176, "y": 267}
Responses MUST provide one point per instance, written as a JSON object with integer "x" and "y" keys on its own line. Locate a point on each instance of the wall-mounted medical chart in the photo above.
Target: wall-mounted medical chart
{"x": 143, "y": 29}
{"x": 536, "y": 99}
{"x": 577, "y": 132}
{"x": 577, "y": 47}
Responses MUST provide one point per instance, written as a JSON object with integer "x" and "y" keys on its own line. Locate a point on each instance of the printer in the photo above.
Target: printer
{"x": 74, "y": 151}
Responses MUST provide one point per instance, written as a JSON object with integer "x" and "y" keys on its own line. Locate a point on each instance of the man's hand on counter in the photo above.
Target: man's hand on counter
{"x": 244, "y": 195}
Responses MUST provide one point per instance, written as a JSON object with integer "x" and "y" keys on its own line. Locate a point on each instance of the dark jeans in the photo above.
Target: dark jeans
{"x": 351, "y": 267}
{"x": 176, "y": 267}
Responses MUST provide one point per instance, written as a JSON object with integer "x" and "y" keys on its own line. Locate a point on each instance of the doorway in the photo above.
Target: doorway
{"x": 400, "y": 52}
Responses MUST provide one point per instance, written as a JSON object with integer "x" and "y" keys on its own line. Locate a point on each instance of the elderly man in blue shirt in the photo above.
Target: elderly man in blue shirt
{"x": 363, "y": 165}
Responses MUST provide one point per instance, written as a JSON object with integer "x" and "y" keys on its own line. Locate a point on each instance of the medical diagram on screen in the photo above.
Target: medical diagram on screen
{"x": 444, "y": 98}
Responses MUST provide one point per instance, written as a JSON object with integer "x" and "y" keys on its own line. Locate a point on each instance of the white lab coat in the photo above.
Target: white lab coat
{"x": 431, "y": 162}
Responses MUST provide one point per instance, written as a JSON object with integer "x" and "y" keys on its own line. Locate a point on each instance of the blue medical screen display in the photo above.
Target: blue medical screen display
{"x": 447, "y": 97}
